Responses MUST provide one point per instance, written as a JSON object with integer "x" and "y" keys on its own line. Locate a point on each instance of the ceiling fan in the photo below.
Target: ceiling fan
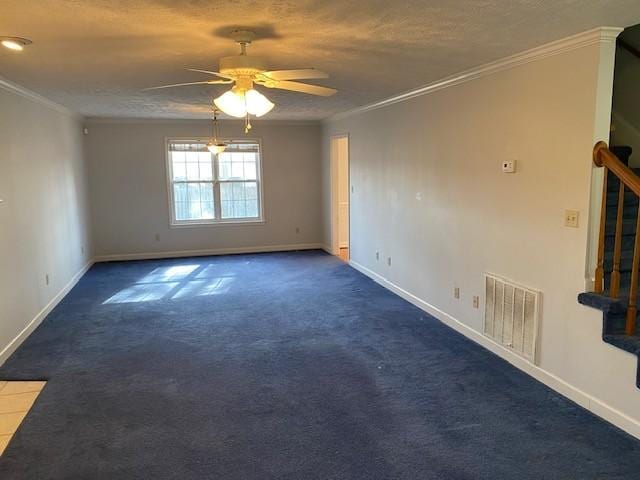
{"x": 243, "y": 71}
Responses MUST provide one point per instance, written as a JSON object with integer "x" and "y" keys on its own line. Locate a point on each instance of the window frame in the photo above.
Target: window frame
{"x": 174, "y": 223}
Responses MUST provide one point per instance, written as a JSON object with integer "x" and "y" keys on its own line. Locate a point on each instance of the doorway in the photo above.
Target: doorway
{"x": 340, "y": 196}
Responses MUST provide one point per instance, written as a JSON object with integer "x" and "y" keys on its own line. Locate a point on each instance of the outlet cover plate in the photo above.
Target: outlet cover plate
{"x": 571, "y": 218}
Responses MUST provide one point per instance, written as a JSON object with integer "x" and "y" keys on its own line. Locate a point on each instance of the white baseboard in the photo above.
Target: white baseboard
{"x": 594, "y": 405}
{"x": 327, "y": 248}
{"x": 37, "y": 320}
{"x": 202, "y": 253}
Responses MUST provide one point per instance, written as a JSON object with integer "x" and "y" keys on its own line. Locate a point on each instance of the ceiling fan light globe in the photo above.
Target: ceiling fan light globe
{"x": 232, "y": 104}
{"x": 12, "y": 45}
{"x": 216, "y": 148}
{"x": 257, "y": 103}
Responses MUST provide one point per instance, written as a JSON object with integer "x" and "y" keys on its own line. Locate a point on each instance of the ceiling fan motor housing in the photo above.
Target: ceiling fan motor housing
{"x": 242, "y": 65}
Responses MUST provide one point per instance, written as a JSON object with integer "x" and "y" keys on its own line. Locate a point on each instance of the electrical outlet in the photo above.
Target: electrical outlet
{"x": 509, "y": 166}
{"x": 456, "y": 292}
{"x": 389, "y": 261}
{"x": 476, "y": 301}
{"x": 46, "y": 279}
{"x": 571, "y": 218}
{"x": 157, "y": 237}
{"x": 377, "y": 255}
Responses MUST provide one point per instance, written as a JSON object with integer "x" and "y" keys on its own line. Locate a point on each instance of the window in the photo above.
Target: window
{"x": 206, "y": 188}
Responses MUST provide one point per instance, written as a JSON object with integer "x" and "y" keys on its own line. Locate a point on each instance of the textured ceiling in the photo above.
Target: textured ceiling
{"x": 96, "y": 56}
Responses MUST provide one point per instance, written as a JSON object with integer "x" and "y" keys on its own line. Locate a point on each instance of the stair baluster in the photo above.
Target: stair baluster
{"x": 599, "y": 280}
{"x": 632, "y": 310}
{"x": 614, "y": 289}
{"x": 603, "y": 157}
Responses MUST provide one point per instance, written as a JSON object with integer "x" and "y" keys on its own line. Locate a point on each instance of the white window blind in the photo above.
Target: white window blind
{"x": 206, "y": 188}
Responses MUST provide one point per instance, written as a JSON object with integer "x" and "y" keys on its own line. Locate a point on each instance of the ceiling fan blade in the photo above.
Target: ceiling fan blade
{"x": 299, "y": 74}
{"x": 303, "y": 88}
{"x": 218, "y": 74}
{"x": 208, "y": 82}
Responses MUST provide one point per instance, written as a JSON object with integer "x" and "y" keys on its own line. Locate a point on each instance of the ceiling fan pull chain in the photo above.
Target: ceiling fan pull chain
{"x": 247, "y": 124}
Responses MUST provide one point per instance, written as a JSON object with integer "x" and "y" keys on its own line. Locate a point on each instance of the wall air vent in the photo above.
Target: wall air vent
{"x": 511, "y": 315}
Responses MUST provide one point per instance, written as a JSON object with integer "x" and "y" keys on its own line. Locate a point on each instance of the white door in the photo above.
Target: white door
{"x": 340, "y": 193}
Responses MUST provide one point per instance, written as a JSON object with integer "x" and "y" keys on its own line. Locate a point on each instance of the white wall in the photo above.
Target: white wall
{"x": 44, "y": 224}
{"x": 129, "y": 189}
{"x": 446, "y": 147}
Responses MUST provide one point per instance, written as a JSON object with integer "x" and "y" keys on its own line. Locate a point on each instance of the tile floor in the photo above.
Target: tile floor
{"x": 16, "y": 398}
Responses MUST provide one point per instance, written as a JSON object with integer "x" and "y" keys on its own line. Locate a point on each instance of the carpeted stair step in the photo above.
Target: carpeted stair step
{"x": 630, "y": 210}
{"x": 628, "y": 226}
{"x": 613, "y": 181}
{"x": 630, "y": 198}
{"x": 613, "y": 323}
{"x": 623, "y": 152}
{"x": 625, "y": 279}
{"x": 630, "y": 201}
{"x": 614, "y": 310}
{"x": 628, "y": 213}
{"x": 626, "y": 259}
{"x": 627, "y": 243}
{"x": 628, "y": 343}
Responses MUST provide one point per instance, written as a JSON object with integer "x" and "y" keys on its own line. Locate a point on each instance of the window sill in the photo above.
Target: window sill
{"x": 218, "y": 223}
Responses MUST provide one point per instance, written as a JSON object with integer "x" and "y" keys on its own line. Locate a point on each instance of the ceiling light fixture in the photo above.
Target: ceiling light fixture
{"x": 238, "y": 103}
{"x": 241, "y": 102}
{"x": 245, "y": 71}
{"x": 215, "y": 146}
{"x": 15, "y": 43}
{"x": 244, "y": 100}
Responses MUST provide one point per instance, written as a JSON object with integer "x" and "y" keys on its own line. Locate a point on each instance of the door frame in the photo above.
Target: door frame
{"x": 335, "y": 208}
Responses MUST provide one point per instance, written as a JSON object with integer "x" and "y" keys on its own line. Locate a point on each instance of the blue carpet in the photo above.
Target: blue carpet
{"x": 283, "y": 366}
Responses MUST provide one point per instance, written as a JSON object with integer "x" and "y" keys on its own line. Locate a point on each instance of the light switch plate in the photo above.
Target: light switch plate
{"x": 571, "y": 218}
{"x": 509, "y": 166}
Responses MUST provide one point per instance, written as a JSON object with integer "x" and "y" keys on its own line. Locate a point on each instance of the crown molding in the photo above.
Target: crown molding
{"x": 36, "y": 97}
{"x": 197, "y": 121}
{"x": 600, "y": 35}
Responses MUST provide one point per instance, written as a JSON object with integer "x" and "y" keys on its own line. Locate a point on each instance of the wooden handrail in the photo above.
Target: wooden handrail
{"x": 603, "y": 157}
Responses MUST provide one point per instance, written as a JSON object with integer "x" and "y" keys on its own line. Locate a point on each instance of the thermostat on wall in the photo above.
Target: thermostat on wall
{"x": 509, "y": 166}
